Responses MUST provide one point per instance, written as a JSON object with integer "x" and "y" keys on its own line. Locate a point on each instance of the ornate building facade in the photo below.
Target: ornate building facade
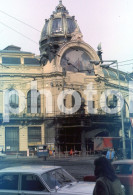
{"x": 45, "y": 99}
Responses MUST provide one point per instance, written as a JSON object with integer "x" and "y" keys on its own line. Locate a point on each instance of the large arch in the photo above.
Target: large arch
{"x": 89, "y": 50}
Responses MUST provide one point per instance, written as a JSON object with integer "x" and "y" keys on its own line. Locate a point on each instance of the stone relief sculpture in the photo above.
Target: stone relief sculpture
{"x": 76, "y": 35}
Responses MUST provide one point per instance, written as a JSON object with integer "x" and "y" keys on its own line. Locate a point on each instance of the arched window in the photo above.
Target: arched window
{"x": 29, "y": 102}
{"x": 111, "y": 101}
{"x": 81, "y": 110}
{"x": 13, "y": 99}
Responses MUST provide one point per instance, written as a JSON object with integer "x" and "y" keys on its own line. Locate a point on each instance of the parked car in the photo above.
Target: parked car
{"x": 45, "y": 180}
{"x": 124, "y": 171}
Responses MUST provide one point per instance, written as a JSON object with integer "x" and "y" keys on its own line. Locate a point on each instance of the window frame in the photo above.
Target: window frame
{"x": 33, "y": 129}
{"x": 70, "y": 23}
{"x": 29, "y": 102}
{"x": 121, "y": 166}
{"x": 57, "y": 31}
{"x": 40, "y": 180}
{"x": 13, "y": 98}
{"x": 12, "y": 190}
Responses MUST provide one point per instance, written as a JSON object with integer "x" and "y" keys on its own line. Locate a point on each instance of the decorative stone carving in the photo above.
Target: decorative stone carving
{"x": 49, "y": 54}
{"x": 76, "y": 35}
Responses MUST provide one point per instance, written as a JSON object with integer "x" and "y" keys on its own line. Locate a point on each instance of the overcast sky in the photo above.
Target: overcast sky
{"x": 107, "y": 21}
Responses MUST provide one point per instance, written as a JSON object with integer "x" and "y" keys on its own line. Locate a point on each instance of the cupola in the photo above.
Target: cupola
{"x": 57, "y": 30}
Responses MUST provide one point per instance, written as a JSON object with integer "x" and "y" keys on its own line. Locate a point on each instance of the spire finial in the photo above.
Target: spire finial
{"x": 61, "y": 8}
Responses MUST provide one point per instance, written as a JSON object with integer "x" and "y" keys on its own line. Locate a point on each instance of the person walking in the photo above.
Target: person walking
{"x": 110, "y": 154}
{"x": 71, "y": 152}
{"x": 107, "y": 182}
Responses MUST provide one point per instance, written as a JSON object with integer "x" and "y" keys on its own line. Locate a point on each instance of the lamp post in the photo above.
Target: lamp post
{"x": 122, "y": 118}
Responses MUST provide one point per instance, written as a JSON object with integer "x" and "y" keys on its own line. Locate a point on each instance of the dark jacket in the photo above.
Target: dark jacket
{"x": 106, "y": 187}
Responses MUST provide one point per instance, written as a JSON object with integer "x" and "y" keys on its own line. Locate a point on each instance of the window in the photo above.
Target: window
{"x": 32, "y": 183}
{"x": 111, "y": 101}
{"x": 71, "y": 25}
{"x": 14, "y": 99}
{"x": 64, "y": 102}
{"x": 8, "y": 181}
{"x": 91, "y": 106}
{"x": 34, "y": 134}
{"x": 123, "y": 169}
{"x": 57, "y": 177}
{"x": 57, "y": 25}
{"x": 29, "y": 101}
{"x": 31, "y": 61}
{"x": 73, "y": 99}
{"x": 11, "y": 61}
{"x": 12, "y": 139}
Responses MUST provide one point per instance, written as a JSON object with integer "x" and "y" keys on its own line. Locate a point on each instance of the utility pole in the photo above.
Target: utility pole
{"x": 122, "y": 118}
{"x": 131, "y": 141}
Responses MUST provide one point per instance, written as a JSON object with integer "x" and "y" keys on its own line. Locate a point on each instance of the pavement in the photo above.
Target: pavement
{"x": 57, "y": 158}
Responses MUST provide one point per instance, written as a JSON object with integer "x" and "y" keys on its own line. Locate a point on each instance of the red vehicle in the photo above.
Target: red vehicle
{"x": 124, "y": 171}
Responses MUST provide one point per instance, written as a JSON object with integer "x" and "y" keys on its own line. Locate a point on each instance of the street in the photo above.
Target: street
{"x": 76, "y": 166}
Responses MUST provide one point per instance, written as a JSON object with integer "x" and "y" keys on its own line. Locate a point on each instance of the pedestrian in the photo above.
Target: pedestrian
{"x": 107, "y": 182}
{"x": 110, "y": 154}
{"x": 71, "y": 152}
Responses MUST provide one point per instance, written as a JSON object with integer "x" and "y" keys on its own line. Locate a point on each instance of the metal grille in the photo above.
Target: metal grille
{"x": 12, "y": 139}
{"x": 34, "y": 134}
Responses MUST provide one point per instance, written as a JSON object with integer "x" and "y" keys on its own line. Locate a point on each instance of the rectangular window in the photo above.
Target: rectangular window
{"x": 71, "y": 25}
{"x": 32, "y": 183}
{"x": 57, "y": 25}
{"x": 31, "y": 61}
{"x": 8, "y": 181}
{"x": 123, "y": 169}
{"x": 91, "y": 105}
{"x": 34, "y": 134}
{"x": 11, "y": 61}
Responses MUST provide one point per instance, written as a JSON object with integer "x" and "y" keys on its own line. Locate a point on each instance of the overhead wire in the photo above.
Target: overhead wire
{"x": 30, "y": 26}
{"x": 123, "y": 64}
{"x": 20, "y": 21}
{"x": 18, "y": 32}
{"x": 125, "y": 61}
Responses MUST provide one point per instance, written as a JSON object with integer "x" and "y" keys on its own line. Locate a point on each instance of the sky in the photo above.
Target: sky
{"x": 107, "y": 21}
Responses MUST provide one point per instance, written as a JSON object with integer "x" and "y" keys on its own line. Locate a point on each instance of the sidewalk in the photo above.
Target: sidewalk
{"x": 51, "y": 158}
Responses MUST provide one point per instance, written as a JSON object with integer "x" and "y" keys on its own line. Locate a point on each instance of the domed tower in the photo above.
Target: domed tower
{"x": 58, "y": 29}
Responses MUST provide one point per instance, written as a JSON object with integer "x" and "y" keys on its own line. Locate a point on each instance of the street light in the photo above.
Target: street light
{"x": 122, "y": 119}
